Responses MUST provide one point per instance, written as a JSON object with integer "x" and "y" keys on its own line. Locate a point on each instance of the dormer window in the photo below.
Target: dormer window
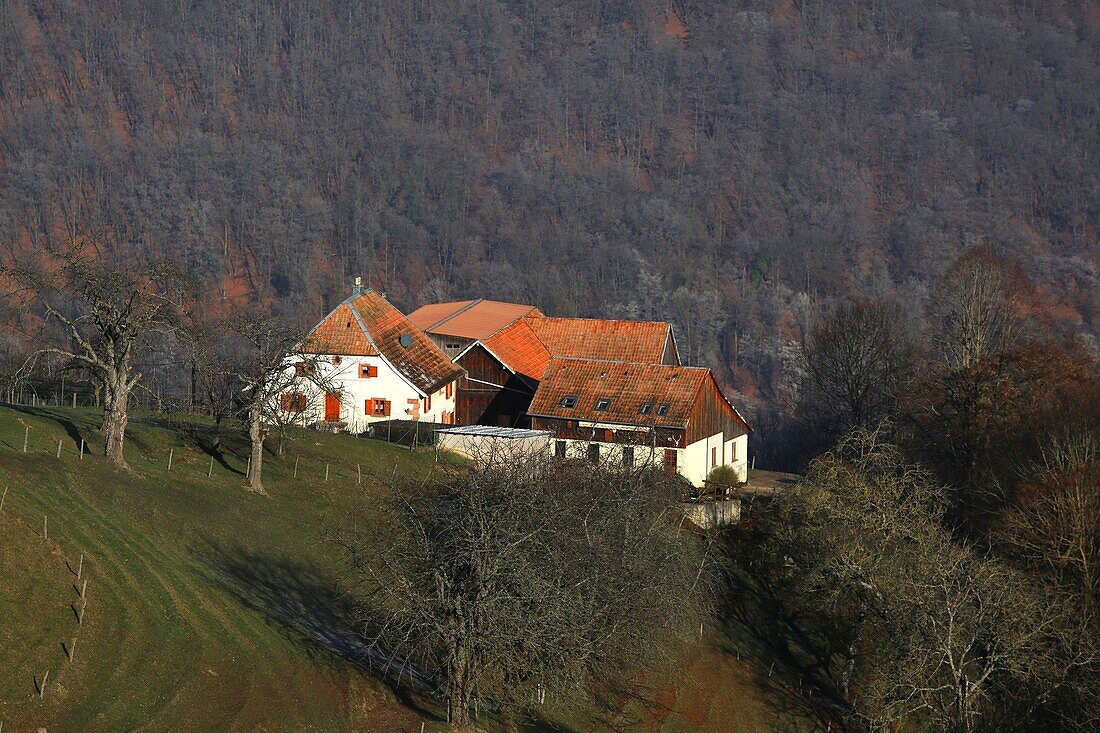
{"x": 662, "y": 409}
{"x": 646, "y": 408}
{"x": 570, "y": 401}
{"x": 602, "y": 404}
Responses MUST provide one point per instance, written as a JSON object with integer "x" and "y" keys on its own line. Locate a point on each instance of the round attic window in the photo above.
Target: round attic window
{"x": 405, "y": 340}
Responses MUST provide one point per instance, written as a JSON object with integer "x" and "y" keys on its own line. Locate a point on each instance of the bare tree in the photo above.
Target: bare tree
{"x": 106, "y": 314}
{"x": 923, "y": 628}
{"x": 1055, "y": 523}
{"x": 272, "y": 374}
{"x": 851, "y": 366}
{"x": 506, "y": 580}
{"x": 976, "y": 310}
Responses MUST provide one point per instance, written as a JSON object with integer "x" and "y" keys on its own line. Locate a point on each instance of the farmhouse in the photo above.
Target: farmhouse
{"x": 379, "y": 366}
{"x": 640, "y": 414}
{"x": 597, "y": 389}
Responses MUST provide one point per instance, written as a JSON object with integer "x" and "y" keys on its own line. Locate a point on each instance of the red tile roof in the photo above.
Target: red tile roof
{"x": 339, "y": 333}
{"x": 473, "y": 319}
{"x": 366, "y": 324}
{"x": 519, "y": 349}
{"x": 626, "y": 385}
{"x": 590, "y": 338}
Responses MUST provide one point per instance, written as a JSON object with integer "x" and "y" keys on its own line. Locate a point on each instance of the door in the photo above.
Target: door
{"x": 670, "y": 460}
{"x": 332, "y": 407}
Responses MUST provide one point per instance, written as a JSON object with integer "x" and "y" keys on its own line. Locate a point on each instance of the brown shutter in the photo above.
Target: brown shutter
{"x": 386, "y": 412}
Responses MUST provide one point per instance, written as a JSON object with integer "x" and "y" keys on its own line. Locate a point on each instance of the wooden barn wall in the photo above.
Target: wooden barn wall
{"x": 712, "y": 414}
{"x": 478, "y": 403}
{"x": 569, "y": 430}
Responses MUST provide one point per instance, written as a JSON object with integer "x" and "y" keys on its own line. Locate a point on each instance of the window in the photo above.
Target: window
{"x": 628, "y": 456}
{"x": 570, "y": 400}
{"x": 378, "y": 407}
{"x": 428, "y": 403}
{"x": 602, "y": 404}
{"x": 337, "y": 360}
{"x": 713, "y": 456}
{"x": 594, "y": 452}
{"x": 453, "y": 347}
{"x": 367, "y": 371}
{"x": 646, "y": 408}
{"x": 304, "y": 367}
{"x": 292, "y": 402}
{"x": 449, "y": 390}
{"x": 662, "y": 409}
{"x": 733, "y": 452}
{"x": 559, "y": 449}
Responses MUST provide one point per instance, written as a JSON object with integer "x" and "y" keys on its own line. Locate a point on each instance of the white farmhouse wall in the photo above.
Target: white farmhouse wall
{"x": 355, "y": 391}
{"x": 693, "y": 462}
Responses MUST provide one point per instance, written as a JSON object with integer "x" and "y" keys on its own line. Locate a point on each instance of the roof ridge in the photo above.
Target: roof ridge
{"x": 629, "y": 363}
{"x": 603, "y": 320}
{"x": 461, "y": 310}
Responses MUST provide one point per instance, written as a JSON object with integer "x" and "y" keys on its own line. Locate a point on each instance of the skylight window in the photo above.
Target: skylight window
{"x": 570, "y": 400}
{"x": 646, "y": 408}
{"x": 602, "y": 404}
{"x": 662, "y": 409}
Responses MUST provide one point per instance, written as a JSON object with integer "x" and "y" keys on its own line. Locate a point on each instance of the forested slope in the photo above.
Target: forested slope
{"x": 729, "y": 166}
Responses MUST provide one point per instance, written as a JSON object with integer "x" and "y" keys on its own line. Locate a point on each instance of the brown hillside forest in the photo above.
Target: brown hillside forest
{"x": 876, "y": 221}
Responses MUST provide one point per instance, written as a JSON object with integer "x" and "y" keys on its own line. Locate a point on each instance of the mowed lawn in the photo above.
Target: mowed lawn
{"x": 210, "y": 608}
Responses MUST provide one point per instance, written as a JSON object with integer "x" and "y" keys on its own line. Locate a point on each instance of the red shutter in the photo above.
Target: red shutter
{"x": 428, "y": 403}
{"x": 387, "y": 410}
{"x": 450, "y": 389}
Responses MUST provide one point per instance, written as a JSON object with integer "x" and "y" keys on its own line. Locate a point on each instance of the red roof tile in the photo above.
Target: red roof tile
{"x": 519, "y": 349}
{"x": 473, "y": 319}
{"x": 627, "y": 386}
{"x": 382, "y": 329}
{"x": 590, "y": 338}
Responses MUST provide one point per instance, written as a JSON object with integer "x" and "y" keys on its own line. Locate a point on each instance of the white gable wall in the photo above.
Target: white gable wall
{"x": 355, "y": 391}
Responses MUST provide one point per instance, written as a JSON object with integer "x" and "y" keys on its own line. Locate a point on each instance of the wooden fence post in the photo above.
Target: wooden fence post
{"x": 171, "y": 453}
{"x": 2, "y": 498}
{"x": 26, "y": 436}
{"x": 82, "y": 449}
{"x": 42, "y": 687}
{"x": 296, "y": 466}
{"x": 80, "y": 567}
{"x": 58, "y": 447}
{"x": 210, "y": 470}
{"x": 45, "y": 527}
{"x": 359, "y": 474}
{"x": 74, "y": 400}
{"x": 326, "y": 473}
{"x": 72, "y": 649}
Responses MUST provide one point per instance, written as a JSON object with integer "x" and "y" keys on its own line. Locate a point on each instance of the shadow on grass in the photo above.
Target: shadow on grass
{"x": 790, "y": 671}
{"x": 312, "y": 612}
{"x": 64, "y": 420}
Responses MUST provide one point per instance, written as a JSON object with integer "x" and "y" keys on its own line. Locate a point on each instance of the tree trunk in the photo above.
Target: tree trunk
{"x": 117, "y": 395}
{"x": 256, "y": 434}
{"x": 458, "y": 701}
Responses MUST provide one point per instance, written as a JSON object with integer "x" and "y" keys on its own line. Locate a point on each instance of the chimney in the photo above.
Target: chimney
{"x": 358, "y": 289}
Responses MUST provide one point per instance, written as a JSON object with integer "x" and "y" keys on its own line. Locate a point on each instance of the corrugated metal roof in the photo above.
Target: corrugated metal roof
{"x": 473, "y": 319}
{"x": 367, "y": 325}
{"x": 626, "y": 388}
{"x": 495, "y": 431}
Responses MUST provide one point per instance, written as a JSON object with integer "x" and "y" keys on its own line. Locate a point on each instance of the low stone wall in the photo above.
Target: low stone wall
{"x": 708, "y": 514}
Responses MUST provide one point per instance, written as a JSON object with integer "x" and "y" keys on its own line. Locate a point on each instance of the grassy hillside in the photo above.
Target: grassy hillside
{"x": 209, "y": 608}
